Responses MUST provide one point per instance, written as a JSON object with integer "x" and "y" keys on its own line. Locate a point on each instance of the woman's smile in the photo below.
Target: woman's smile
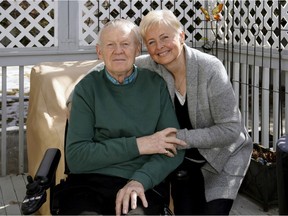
{"x": 163, "y": 53}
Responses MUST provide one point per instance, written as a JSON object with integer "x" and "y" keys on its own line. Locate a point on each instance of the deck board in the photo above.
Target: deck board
{"x": 19, "y": 183}
{"x": 244, "y": 205}
{"x": 12, "y": 193}
{"x": 13, "y": 189}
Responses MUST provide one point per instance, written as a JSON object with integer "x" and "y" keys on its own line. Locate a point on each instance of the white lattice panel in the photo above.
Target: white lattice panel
{"x": 243, "y": 23}
{"x": 255, "y": 23}
{"x": 88, "y": 21}
{"x": 103, "y": 11}
{"x": 28, "y": 24}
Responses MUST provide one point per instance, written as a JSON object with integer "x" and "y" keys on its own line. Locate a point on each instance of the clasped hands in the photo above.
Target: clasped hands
{"x": 161, "y": 142}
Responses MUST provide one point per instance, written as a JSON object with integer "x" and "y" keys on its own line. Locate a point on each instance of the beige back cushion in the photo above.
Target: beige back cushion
{"x": 50, "y": 87}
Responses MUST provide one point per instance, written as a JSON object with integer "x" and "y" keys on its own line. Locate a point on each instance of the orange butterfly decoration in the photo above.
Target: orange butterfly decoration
{"x": 215, "y": 12}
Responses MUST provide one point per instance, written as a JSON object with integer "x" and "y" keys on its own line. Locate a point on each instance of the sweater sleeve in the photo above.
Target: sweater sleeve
{"x": 157, "y": 169}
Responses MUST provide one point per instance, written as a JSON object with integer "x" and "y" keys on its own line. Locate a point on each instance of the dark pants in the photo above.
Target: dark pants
{"x": 95, "y": 194}
{"x": 188, "y": 192}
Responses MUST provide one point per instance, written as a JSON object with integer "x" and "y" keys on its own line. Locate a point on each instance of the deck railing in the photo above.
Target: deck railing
{"x": 251, "y": 39}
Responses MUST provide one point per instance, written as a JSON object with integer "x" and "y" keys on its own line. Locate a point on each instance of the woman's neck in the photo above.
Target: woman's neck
{"x": 178, "y": 70}
{"x": 178, "y": 67}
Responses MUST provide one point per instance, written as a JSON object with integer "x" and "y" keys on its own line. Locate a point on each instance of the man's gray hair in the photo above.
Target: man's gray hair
{"x": 119, "y": 23}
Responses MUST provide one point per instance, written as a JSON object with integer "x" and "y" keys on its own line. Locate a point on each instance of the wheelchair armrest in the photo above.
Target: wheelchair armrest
{"x": 48, "y": 166}
{"x": 44, "y": 179}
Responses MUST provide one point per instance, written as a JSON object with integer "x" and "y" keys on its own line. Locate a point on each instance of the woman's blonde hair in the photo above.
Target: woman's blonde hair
{"x": 159, "y": 17}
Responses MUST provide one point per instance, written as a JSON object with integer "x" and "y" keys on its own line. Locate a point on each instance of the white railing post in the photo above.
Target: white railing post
{"x": 286, "y": 102}
{"x": 236, "y": 80}
{"x": 244, "y": 93}
{"x": 21, "y": 120}
{"x": 255, "y": 105}
{"x": 265, "y": 108}
{"x": 4, "y": 123}
{"x": 276, "y": 108}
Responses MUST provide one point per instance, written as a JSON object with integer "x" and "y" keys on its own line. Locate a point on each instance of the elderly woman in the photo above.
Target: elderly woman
{"x": 219, "y": 147}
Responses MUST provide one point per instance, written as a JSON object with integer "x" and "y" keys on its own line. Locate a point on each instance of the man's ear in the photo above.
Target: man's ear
{"x": 182, "y": 37}
{"x": 99, "y": 52}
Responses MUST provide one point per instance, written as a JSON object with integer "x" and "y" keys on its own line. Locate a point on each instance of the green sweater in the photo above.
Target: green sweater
{"x": 105, "y": 121}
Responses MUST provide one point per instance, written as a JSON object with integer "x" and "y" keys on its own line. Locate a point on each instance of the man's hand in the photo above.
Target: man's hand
{"x": 128, "y": 195}
{"x": 162, "y": 142}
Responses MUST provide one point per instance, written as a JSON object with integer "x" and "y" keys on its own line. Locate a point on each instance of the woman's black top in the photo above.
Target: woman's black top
{"x": 184, "y": 122}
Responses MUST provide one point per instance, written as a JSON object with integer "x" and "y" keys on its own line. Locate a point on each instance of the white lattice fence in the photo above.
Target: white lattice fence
{"x": 97, "y": 13}
{"x": 244, "y": 23}
{"x": 28, "y": 24}
{"x": 255, "y": 23}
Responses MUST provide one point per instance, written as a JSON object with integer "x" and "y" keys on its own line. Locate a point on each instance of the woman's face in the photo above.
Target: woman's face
{"x": 164, "y": 43}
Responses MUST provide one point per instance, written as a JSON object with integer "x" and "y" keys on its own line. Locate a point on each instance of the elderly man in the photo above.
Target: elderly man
{"x": 121, "y": 140}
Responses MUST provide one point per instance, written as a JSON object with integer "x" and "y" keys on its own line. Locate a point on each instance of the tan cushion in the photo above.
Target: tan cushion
{"x": 50, "y": 86}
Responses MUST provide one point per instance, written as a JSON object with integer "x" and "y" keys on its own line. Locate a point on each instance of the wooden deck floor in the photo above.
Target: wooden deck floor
{"x": 12, "y": 192}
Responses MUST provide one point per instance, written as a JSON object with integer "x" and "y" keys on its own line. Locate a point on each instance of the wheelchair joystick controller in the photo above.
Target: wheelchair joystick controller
{"x": 35, "y": 196}
{"x": 44, "y": 178}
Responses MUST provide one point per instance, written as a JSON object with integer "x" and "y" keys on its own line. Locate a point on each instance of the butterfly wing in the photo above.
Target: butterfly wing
{"x": 206, "y": 13}
{"x": 216, "y": 11}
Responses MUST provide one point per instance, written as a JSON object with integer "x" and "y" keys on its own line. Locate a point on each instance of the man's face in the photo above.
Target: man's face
{"x": 118, "y": 50}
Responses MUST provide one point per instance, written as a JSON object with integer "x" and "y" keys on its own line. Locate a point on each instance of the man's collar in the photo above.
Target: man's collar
{"x": 127, "y": 80}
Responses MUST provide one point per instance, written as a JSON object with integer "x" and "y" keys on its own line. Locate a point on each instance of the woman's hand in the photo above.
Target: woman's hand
{"x": 161, "y": 142}
{"x": 128, "y": 196}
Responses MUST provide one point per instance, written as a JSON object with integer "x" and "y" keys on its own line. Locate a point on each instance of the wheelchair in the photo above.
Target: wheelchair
{"x": 45, "y": 178}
